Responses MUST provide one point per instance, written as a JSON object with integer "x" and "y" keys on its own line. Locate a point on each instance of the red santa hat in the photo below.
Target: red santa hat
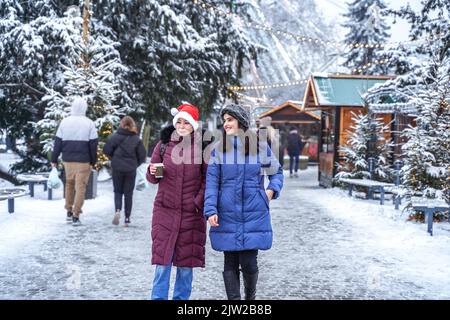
{"x": 188, "y": 112}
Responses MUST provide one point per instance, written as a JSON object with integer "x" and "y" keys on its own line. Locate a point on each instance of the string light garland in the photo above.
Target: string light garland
{"x": 307, "y": 39}
{"x": 257, "y": 99}
{"x": 298, "y": 38}
{"x": 267, "y": 86}
{"x": 299, "y": 82}
{"x": 368, "y": 65}
{"x": 338, "y": 44}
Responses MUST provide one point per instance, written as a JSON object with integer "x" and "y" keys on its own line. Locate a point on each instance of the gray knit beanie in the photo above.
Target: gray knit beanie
{"x": 239, "y": 113}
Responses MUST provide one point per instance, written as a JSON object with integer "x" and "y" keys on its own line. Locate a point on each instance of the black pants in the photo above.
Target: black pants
{"x": 293, "y": 159}
{"x": 123, "y": 183}
{"x": 246, "y": 259}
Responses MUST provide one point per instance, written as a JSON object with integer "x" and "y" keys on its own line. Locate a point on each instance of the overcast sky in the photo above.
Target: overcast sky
{"x": 399, "y": 31}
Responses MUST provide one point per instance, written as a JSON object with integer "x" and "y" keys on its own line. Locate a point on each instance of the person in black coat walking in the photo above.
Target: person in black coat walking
{"x": 294, "y": 148}
{"x": 126, "y": 152}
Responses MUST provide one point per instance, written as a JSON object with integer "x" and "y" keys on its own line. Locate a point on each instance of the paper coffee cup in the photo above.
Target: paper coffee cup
{"x": 159, "y": 170}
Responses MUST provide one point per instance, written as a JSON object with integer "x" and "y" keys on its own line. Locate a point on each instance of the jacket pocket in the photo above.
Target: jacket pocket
{"x": 264, "y": 196}
{"x": 198, "y": 207}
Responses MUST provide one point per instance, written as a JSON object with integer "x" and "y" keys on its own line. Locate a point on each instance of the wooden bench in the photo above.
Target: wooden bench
{"x": 371, "y": 185}
{"x": 429, "y": 207}
{"x": 37, "y": 178}
{"x": 10, "y": 194}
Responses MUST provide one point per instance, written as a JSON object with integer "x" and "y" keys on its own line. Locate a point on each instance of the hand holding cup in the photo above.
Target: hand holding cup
{"x": 156, "y": 169}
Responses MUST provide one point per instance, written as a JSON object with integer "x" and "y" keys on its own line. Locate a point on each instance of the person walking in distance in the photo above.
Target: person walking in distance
{"x": 294, "y": 148}
{"x": 126, "y": 152}
{"x": 76, "y": 139}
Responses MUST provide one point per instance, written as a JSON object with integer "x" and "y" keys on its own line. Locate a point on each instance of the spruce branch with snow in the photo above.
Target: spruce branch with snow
{"x": 367, "y": 25}
{"x": 430, "y": 25}
{"x": 427, "y": 151}
{"x": 356, "y": 152}
{"x": 93, "y": 72}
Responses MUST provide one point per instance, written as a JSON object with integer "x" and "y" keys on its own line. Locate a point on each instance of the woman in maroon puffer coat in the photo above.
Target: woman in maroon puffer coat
{"x": 178, "y": 225}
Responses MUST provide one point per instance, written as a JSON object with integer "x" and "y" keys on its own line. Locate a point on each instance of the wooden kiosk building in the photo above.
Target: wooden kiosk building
{"x": 336, "y": 96}
{"x": 292, "y": 114}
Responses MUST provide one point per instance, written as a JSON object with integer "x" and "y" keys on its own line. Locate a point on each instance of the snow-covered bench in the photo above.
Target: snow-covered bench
{"x": 398, "y": 193}
{"x": 429, "y": 207}
{"x": 371, "y": 186}
{"x": 36, "y": 178}
{"x": 10, "y": 194}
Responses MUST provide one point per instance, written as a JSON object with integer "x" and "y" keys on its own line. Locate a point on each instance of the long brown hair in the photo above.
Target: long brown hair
{"x": 129, "y": 124}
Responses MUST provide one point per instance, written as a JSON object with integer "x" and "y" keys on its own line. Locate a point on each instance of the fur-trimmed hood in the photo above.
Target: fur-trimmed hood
{"x": 166, "y": 133}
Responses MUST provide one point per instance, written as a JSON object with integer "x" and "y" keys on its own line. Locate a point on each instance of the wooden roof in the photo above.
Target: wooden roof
{"x": 291, "y": 112}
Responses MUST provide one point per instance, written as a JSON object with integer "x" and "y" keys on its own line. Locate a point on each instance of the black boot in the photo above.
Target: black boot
{"x": 250, "y": 280}
{"x": 232, "y": 284}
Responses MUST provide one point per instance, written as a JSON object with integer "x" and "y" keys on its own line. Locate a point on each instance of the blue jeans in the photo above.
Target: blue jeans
{"x": 161, "y": 283}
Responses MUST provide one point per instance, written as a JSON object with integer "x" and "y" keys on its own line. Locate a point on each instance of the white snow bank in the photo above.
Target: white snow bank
{"x": 34, "y": 218}
{"x": 7, "y": 159}
{"x": 388, "y": 231}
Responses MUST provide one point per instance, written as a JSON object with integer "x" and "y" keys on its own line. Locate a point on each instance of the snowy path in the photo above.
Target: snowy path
{"x": 326, "y": 246}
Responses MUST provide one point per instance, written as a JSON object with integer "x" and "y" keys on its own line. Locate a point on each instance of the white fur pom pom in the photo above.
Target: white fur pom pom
{"x": 174, "y": 111}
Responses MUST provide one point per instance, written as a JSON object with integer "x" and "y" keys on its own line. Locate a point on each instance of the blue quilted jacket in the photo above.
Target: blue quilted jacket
{"x": 235, "y": 192}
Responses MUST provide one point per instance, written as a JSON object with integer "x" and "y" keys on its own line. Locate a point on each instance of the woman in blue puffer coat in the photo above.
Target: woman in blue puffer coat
{"x": 236, "y": 203}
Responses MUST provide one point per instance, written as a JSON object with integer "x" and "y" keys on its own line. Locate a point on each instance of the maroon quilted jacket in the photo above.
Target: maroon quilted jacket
{"x": 178, "y": 224}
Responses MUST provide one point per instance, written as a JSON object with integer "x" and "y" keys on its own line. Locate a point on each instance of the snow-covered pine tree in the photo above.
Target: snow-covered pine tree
{"x": 356, "y": 151}
{"x": 15, "y": 106}
{"x": 367, "y": 25}
{"x": 93, "y": 72}
{"x": 167, "y": 59}
{"x": 32, "y": 43}
{"x": 432, "y": 23}
{"x": 96, "y": 76}
{"x": 176, "y": 51}
{"x": 234, "y": 47}
{"x": 15, "y": 82}
{"x": 211, "y": 53}
{"x": 430, "y": 27}
{"x": 355, "y": 165}
{"x": 427, "y": 151}
{"x": 125, "y": 22}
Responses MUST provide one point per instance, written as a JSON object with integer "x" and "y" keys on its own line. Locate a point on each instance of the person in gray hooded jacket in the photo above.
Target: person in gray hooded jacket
{"x": 77, "y": 140}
